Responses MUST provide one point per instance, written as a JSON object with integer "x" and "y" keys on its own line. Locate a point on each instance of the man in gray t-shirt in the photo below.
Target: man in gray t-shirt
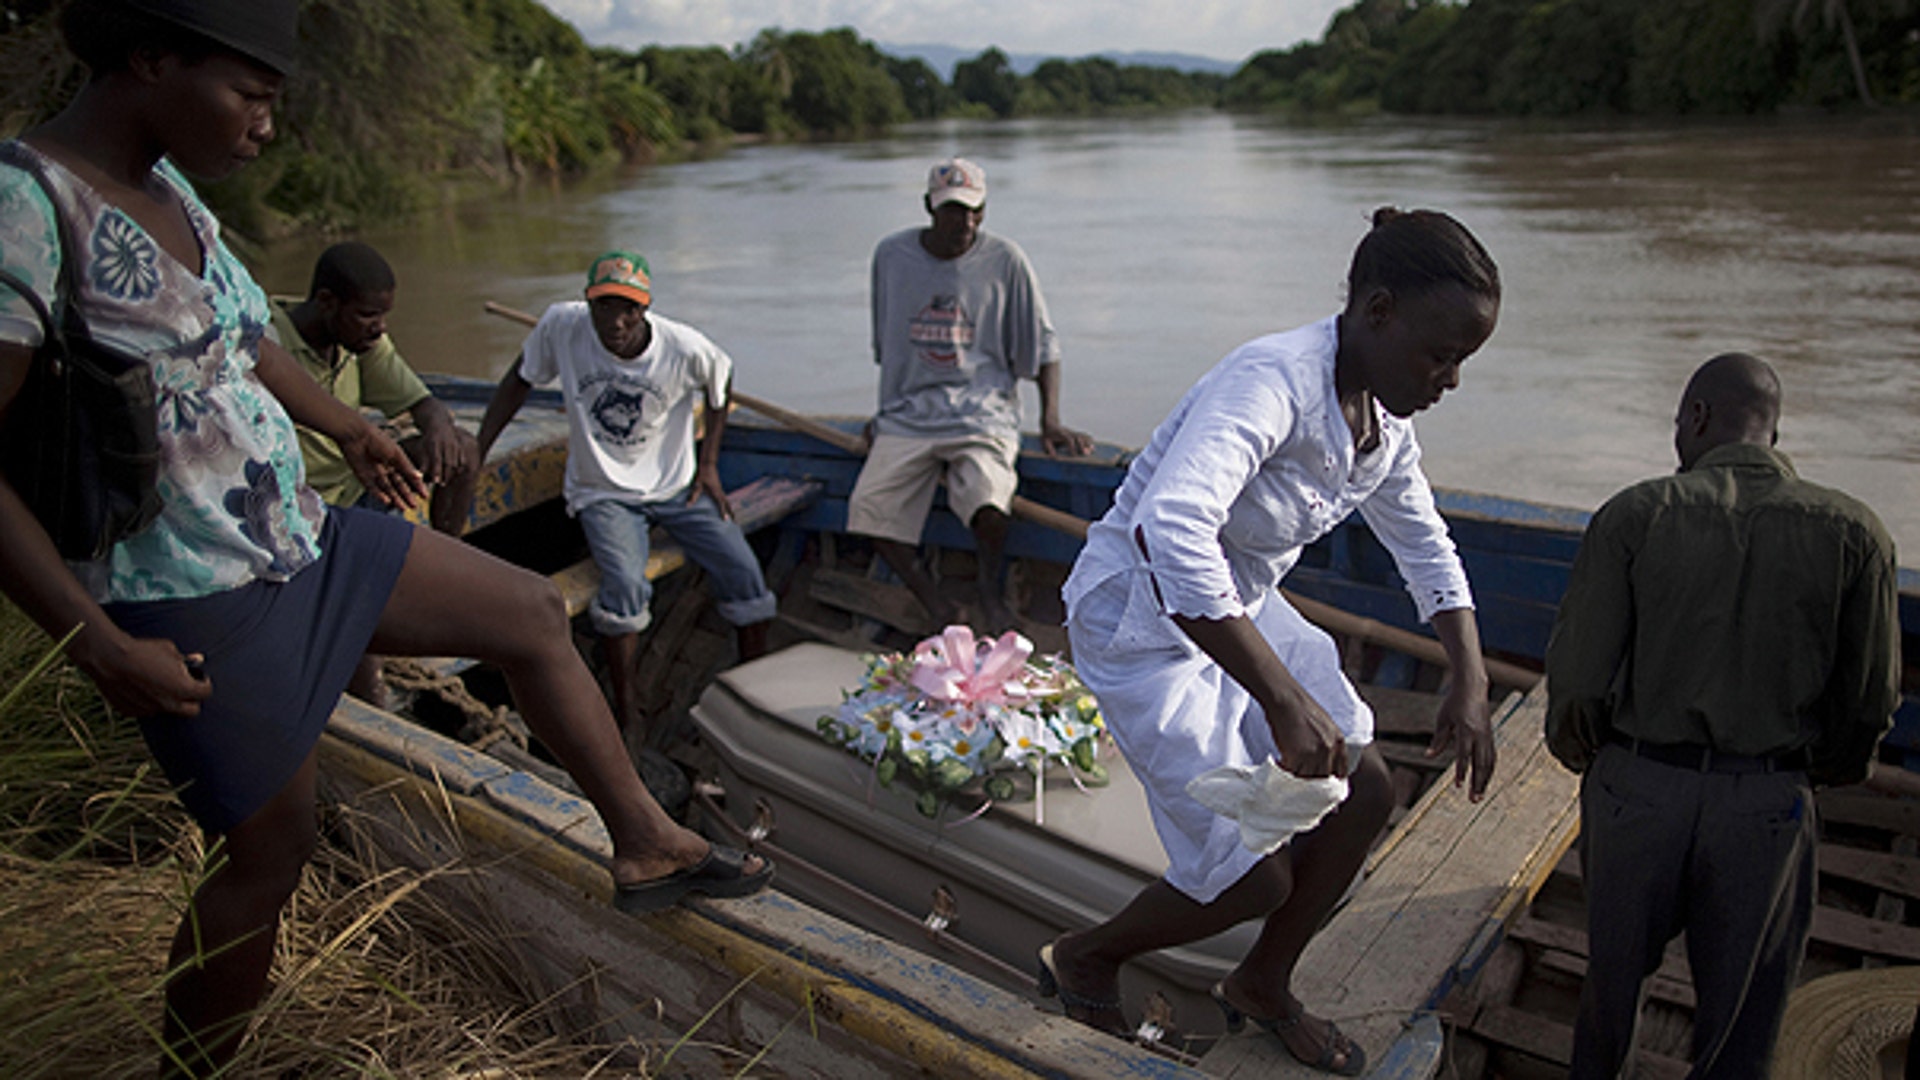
{"x": 958, "y": 320}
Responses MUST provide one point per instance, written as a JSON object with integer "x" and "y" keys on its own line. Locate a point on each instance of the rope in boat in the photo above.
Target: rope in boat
{"x": 486, "y": 724}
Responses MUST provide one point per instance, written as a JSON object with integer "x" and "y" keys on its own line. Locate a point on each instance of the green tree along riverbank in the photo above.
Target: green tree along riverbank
{"x": 1585, "y": 57}
{"x": 401, "y": 104}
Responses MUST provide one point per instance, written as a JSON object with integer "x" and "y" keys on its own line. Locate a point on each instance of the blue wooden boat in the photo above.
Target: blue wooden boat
{"x": 1442, "y": 892}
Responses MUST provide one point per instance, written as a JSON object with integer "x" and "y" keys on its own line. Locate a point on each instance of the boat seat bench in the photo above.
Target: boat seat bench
{"x": 755, "y": 505}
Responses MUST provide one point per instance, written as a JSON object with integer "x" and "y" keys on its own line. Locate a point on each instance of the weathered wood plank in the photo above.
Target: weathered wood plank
{"x": 1868, "y": 935}
{"x": 1401, "y": 712}
{"x": 894, "y": 605}
{"x": 1661, "y": 986}
{"x": 1553, "y": 1041}
{"x": 1436, "y": 902}
{"x": 755, "y": 506}
{"x": 1844, "y": 928}
{"x": 1894, "y": 873}
{"x": 1858, "y": 806}
{"x": 1573, "y": 941}
{"x": 1525, "y": 1031}
{"x": 1413, "y": 757}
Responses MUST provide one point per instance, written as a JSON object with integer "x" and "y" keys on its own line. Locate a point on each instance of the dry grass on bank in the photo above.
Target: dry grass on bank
{"x": 373, "y": 976}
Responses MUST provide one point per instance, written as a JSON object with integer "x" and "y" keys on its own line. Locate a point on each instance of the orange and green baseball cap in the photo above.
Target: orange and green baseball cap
{"x": 620, "y": 273}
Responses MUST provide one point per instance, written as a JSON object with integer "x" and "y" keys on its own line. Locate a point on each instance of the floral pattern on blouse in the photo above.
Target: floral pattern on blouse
{"x": 237, "y": 507}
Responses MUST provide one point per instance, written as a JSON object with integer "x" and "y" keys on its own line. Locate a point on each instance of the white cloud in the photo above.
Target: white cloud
{"x": 1226, "y": 29}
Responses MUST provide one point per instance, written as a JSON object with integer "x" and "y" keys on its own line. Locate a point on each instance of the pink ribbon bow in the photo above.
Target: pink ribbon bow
{"x": 953, "y": 667}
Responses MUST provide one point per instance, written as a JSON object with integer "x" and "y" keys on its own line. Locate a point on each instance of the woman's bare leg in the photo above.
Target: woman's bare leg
{"x": 1293, "y": 890}
{"x": 1324, "y": 864}
{"x": 224, "y": 947}
{"x": 456, "y": 600}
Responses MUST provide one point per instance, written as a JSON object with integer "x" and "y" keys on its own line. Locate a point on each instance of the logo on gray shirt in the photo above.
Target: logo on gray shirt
{"x": 942, "y": 331}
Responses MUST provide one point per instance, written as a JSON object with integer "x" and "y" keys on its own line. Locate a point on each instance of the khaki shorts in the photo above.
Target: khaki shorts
{"x": 895, "y": 489}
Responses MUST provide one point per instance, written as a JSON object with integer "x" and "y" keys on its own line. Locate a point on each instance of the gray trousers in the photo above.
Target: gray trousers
{"x": 1727, "y": 858}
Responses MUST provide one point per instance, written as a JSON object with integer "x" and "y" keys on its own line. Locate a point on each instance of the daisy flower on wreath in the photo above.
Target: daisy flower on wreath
{"x": 957, "y": 709}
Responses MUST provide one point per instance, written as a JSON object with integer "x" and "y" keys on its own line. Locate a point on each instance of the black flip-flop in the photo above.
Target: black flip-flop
{"x": 1048, "y": 983}
{"x": 721, "y": 873}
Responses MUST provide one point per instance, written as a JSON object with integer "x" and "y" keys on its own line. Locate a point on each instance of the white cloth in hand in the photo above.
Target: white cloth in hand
{"x": 1270, "y": 803}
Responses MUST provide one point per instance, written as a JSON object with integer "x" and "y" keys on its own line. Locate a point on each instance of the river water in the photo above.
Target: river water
{"x": 1629, "y": 253}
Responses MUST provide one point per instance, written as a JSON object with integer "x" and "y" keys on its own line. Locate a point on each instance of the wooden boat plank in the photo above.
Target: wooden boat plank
{"x": 892, "y": 604}
{"x": 1572, "y": 941}
{"x": 1857, "y": 806}
{"x": 755, "y": 506}
{"x": 402, "y": 742}
{"x": 1660, "y": 987}
{"x": 1401, "y": 712}
{"x": 1433, "y": 908}
{"x": 1865, "y": 933}
{"x": 1553, "y": 1041}
{"x": 1889, "y": 872}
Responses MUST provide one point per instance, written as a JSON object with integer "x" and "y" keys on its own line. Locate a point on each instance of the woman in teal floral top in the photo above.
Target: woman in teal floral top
{"x": 231, "y": 624}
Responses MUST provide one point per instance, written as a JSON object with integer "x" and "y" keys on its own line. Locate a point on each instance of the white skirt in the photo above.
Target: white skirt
{"x": 1175, "y": 714}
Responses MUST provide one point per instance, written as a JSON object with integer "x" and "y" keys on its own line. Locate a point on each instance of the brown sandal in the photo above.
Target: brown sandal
{"x": 1353, "y": 1059}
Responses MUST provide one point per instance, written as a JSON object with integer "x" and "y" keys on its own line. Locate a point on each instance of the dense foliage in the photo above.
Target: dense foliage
{"x": 1569, "y": 57}
{"x": 399, "y": 101}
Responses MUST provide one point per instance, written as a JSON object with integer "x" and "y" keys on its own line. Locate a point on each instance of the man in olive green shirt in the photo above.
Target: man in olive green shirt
{"x": 339, "y": 334}
{"x": 1729, "y": 638}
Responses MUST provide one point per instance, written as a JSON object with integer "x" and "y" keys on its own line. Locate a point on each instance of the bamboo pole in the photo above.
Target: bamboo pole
{"x": 1326, "y": 616}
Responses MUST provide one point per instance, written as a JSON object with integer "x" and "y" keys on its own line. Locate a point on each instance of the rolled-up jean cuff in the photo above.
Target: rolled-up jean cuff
{"x": 607, "y": 624}
{"x": 747, "y": 612}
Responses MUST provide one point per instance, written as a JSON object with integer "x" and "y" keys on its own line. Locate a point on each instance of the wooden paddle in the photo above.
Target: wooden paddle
{"x": 1325, "y": 615}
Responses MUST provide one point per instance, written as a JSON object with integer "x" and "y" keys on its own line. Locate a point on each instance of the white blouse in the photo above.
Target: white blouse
{"x": 1255, "y": 463}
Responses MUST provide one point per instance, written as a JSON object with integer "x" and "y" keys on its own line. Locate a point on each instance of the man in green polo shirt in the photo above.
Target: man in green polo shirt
{"x": 339, "y": 334}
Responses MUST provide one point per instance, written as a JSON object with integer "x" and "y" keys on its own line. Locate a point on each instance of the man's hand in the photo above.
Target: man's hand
{"x": 383, "y": 467}
{"x": 707, "y": 481}
{"x": 1464, "y": 726}
{"x": 446, "y": 451}
{"x": 1058, "y": 440}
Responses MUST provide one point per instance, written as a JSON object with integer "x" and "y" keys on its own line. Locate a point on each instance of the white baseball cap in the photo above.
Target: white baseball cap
{"x": 957, "y": 180}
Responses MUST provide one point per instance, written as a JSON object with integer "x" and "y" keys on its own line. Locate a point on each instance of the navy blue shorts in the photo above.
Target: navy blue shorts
{"x": 279, "y": 655}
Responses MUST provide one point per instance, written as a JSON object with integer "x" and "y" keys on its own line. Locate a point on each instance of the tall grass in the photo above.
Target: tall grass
{"x": 373, "y": 975}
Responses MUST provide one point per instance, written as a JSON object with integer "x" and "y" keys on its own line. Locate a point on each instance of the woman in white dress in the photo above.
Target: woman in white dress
{"x": 1178, "y": 625}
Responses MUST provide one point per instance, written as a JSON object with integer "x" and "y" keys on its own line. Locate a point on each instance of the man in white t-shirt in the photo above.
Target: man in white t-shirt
{"x": 958, "y": 320}
{"x": 632, "y": 381}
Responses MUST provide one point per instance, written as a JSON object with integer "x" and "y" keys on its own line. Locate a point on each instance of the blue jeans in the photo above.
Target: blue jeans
{"x": 617, "y": 536}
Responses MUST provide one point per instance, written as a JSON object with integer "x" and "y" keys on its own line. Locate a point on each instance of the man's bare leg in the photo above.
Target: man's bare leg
{"x": 905, "y": 561}
{"x": 623, "y": 663}
{"x": 989, "y": 527}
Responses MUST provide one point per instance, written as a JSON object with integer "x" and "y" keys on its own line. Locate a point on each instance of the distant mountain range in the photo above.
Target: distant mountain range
{"x": 942, "y": 59}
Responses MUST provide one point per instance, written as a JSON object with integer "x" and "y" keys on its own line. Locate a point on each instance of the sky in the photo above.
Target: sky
{"x": 1222, "y": 29}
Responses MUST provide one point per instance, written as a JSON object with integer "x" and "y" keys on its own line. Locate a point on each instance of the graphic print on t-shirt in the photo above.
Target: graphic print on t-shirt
{"x": 623, "y": 409}
{"x": 941, "y": 331}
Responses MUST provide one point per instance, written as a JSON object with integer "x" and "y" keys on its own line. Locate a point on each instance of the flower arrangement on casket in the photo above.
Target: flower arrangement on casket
{"x": 957, "y": 709}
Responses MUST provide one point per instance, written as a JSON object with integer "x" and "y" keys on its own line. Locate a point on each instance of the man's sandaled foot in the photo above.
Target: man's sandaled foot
{"x": 1328, "y": 1050}
{"x": 723, "y": 872}
{"x": 1101, "y": 1014}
